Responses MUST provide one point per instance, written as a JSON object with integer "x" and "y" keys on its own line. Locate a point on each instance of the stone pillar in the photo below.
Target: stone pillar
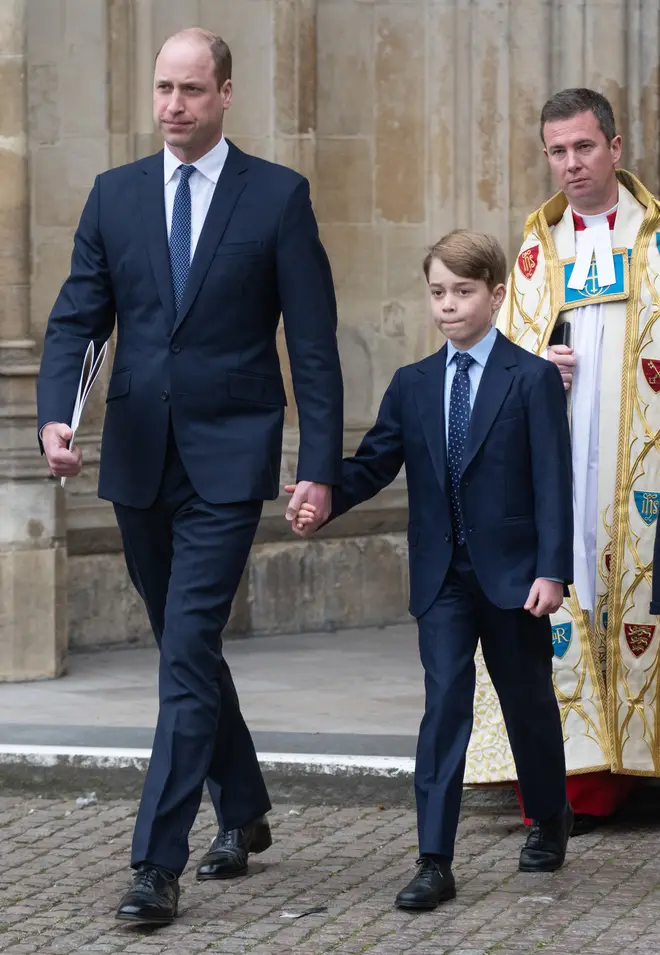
{"x": 33, "y": 558}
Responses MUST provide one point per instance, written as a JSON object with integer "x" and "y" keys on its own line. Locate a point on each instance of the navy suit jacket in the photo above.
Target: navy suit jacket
{"x": 516, "y": 487}
{"x": 214, "y": 366}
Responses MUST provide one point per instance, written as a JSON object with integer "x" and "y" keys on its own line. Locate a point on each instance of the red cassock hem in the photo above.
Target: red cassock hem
{"x": 594, "y": 794}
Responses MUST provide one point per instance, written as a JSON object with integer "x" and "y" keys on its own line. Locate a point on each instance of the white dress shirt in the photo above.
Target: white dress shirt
{"x": 480, "y": 353}
{"x": 202, "y": 185}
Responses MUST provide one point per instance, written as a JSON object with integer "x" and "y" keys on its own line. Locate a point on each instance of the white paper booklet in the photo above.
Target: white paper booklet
{"x": 92, "y": 364}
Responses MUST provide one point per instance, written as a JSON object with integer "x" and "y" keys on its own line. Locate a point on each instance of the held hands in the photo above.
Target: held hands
{"x": 309, "y": 507}
{"x": 564, "y": 359}
{"x": 546, "y": 596}
{"x": 55, "y": 438}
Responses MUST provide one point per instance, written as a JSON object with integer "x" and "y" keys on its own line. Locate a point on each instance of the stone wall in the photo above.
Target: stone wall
{"x": 409, "y": 117}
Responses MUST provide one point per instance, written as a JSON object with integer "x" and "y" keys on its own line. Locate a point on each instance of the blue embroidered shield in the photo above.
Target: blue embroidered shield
{"x": 657, "y": 240}
{"x": 592, "y": 290}
{"x": 561, "y": 638}
{"x": 647, "y": 505}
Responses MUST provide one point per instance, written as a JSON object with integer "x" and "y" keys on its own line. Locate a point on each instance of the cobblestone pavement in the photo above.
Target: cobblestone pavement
{"x": 63, "y": 869}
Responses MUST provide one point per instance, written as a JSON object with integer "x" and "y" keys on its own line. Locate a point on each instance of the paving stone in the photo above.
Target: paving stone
{"x": 62, "y": 875}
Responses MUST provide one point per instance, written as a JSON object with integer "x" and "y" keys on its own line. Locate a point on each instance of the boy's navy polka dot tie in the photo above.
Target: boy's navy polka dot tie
{"x": 181, "y": 235}
{"x": 459, "y": 422}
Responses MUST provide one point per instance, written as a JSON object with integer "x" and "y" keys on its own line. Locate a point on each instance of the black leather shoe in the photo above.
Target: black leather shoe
{"x": 433, "y": 884}
{"x": 584, "y": 823}
{"x": 228, "y": 856}
{"x": 153, "y": 897}
{"x": 545, "y": 848}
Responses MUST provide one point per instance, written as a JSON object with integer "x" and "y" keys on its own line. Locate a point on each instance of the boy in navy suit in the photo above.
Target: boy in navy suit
{"x": 481, "y": 427}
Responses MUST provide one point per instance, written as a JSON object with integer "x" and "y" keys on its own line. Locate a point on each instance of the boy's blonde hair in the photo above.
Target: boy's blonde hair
{"x": 472, "y": 255}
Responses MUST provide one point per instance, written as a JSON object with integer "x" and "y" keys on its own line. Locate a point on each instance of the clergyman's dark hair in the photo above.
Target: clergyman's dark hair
{"x": 569, "y": 103}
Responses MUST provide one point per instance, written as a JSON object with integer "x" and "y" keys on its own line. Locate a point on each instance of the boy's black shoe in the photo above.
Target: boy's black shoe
{"x": 545, "y": 848}
{"x": 433, "y": 883}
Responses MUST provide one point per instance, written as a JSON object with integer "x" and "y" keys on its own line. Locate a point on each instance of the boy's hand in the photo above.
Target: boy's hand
{"x": 306, "y": 523}
{"x": 562, "y": 356}
{"x": 309, "y": 506}
{"x": 546, "y": 596}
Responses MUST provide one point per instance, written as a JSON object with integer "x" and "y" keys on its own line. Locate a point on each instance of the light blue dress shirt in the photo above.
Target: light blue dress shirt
{"x": 480, "y": 352}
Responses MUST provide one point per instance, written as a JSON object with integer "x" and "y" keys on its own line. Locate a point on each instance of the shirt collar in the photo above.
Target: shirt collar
{"x": 581, "y": 222}
{"x": 210, "y": 164}
{"x": 479, "y": 352}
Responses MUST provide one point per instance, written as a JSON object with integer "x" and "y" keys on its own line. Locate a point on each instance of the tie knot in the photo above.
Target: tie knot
{"x": 463, "y": 361}
{"x": 186, "y": 171}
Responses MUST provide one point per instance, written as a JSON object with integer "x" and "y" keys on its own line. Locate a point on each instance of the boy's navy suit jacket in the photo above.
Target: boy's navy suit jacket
{"x": 516, "y": 486}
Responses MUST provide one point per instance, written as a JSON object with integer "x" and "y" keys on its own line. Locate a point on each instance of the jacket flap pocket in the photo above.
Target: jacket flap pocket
{"x": 263, "y": 389}
{"x": 119, "y": 385}
{"x": 239, "y": 248}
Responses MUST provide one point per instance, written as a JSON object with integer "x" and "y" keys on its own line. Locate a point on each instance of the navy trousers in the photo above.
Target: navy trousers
{"x": 185, "y": 558}
{"x": 517, "y": 648}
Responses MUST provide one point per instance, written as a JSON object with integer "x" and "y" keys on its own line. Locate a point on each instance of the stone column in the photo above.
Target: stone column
{"x": 33, "y": 559}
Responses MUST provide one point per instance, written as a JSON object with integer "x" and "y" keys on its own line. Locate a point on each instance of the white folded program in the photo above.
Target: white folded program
{"x": 92, "y": 364}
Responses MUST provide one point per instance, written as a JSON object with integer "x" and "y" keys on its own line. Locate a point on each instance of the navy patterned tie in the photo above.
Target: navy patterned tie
{"x": 459, "y": 422}
{"x": 181, "y": 235}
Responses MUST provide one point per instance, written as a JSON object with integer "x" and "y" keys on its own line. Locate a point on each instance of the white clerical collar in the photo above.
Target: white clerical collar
{"x": 210, "y": 164}
{"x": 593, "y": 240}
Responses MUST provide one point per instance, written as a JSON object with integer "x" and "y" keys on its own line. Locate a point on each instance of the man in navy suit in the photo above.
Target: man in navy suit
{"x": 196, "y": 250}
{"x": 481, "y": 428}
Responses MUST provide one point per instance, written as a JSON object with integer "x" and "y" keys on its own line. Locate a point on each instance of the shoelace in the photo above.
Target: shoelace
{"x": 534, "y": 838}
{"x": 147, "y": 878}
{"x": 427, "y": 867}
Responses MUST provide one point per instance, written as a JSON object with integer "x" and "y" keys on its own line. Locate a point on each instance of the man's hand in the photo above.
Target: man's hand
{"x": 546, "y": 596}
{"x": 318, "y": 496}
{"x": 55, "y": 438}
{"x": 565, "y": 360}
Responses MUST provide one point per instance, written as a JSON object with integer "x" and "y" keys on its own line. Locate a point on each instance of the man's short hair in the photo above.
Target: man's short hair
{"x": 221, "y": 55}
{"x": 568, "y": 103}
{"x": 220, "y": 52}
{"x": 472, "y": 255}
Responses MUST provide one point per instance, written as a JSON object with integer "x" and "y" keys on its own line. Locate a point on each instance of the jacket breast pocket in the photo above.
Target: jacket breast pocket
{"x": 260, "y": 389}
{"x": 119, "y": 384}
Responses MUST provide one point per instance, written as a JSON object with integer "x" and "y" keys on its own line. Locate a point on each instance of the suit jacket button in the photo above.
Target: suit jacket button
{"x": 165, "y": 395}
{"x": 176, "y": 349}
{"x": 448, "y": 538}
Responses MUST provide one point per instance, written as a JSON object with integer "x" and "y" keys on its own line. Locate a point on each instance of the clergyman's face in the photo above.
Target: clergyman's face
{"x": 582, "y": 161}
{"x": 188, "y": 106}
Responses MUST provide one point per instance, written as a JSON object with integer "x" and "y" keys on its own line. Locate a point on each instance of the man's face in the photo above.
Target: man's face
{"x": 582, "y": 161}
{"x": 462, "y": 308}
{"x": 188, "y": 106}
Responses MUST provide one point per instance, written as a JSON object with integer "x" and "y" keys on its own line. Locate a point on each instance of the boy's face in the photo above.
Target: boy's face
{"x": 462, "y": 308}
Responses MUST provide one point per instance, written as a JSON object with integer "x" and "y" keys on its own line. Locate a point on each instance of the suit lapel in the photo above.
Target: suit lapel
{"x": 493, "y": 388}
{"x": 152, "y": 202}
{"x": 430, "y": 400}
{"x": 231, "y": 183}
